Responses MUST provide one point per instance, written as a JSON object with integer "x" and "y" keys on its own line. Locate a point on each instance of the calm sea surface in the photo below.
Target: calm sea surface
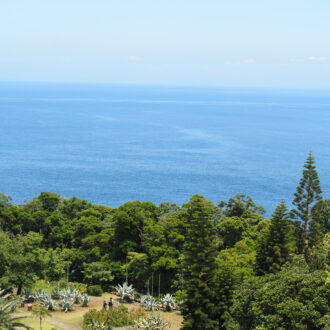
{"x": 112, "y": 144}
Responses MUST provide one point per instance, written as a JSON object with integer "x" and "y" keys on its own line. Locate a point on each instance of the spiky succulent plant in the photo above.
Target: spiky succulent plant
{"x": 57, "y": 293}
{"x": 98, "y": 325}
{"x": 77, "y": 296}
{"x": 150, "y": 303}
{"x": 85, "y": 300}
{"x": 28, "y": 296}
{"x": 48, "y": 302}
{"x": 125, "y": 292}
{"x": 168, "y": 303}
{"x": 66, "y": 305}
{"x": 39, "y": 294}
{"x": 7, "y": 319}
{"x": 151, "y": 322}
{"x": 68, "y": 293}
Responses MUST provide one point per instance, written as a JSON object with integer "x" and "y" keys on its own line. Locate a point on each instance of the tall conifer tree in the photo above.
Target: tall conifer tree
{"x": 200, "y": 307}
{"x": 320, "y": 223}
{"x": 274, "y": 248}
{"x": 307, "y": 194}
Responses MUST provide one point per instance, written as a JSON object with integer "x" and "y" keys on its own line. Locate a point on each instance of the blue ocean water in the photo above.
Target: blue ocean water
{"x": 111, "y": 144}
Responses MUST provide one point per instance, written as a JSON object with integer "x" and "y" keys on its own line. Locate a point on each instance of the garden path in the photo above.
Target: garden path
{"x": 60, "y": 324}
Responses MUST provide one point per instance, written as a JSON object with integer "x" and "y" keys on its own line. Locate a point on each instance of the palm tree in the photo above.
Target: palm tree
{"x": 7, "y": 320}
{"x": 41, "y": 312}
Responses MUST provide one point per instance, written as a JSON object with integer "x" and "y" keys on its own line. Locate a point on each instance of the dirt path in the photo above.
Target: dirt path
{"x": 60, "y": 324}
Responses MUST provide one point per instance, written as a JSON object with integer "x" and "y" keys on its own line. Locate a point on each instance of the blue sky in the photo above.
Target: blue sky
{"x": 273, "y": 43}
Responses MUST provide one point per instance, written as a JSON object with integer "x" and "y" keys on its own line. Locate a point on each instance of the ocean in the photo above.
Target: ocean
{"x": 110, "y": 144}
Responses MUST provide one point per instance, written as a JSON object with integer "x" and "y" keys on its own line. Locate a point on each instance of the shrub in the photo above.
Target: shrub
{"x": 117, "y": 317}
{"x": 95, "y": 290}
{"x": 97, "y": 325}
{"x": 43, "y": 285}
{"x": 137, "y": 313}
{"x": 151, "y": 322}
{"x": 63, "y": 284}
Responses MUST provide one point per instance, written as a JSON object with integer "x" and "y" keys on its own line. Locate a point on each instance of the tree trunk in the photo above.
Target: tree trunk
{"x": 19, "y": 289}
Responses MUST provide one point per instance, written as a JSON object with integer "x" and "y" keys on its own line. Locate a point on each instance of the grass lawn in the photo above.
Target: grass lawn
{"x": 34, "y": 323}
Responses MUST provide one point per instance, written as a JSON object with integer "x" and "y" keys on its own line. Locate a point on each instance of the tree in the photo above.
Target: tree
{"x": 98, "y": 273}
{"x": 231, "y": 230}
{"x": 320, "y": 222}
{"x": 49, "y": 201}
{"x": 274, "y": 247}
{"x": 307, "y": 194}
{"x": 23, "y": 261}
{"x": 290, "y": 299}
{"x": 240, "y": 206}
{"x": 41, "y": 312}
{"x": 199, "y": 269}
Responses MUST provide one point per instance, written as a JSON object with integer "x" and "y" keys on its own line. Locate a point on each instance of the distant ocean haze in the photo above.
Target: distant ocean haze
{"x": 112, "y": 144}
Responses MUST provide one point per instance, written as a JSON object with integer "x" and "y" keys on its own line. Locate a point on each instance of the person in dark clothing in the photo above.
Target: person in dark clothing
{"x": 110, "y": 303}
{"x": 104, "y": 305}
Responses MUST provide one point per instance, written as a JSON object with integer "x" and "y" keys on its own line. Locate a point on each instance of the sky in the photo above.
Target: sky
{"x": 245, "y": 43}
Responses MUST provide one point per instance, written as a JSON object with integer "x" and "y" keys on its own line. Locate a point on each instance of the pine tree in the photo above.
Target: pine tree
{"x": 274, "y": 247}
{"x": 320, "y": 223}
{"x": 307, "y": 194}
{"x": 198, "y": 268}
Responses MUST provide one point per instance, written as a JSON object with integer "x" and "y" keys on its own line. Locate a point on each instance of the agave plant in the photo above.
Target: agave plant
{"x": 7, "y": 320}
{"x": 151, "y": 322}
{"x": 98, "y": 325}
{"x": 57, "y": 293}
{"x": 48, "y": 302}
{"x": 85, "y": 300}
{"x": 168, "y": 303}
{"x": 150, "y": 303}
{"x": 39, "y": 295}
{"x": 76, "y": 296}
{"x": 66, "y": 305}
{"x": 125, "y": 292}
{"x": 27, "y": 296}
{"x": 67, "y": 293}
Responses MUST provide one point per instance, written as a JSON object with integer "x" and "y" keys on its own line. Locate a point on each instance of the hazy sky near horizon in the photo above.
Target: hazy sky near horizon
{"x": 282, "y": 43}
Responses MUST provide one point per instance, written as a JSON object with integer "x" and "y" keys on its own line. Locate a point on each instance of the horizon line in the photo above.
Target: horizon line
{"x": 178, "y": 85}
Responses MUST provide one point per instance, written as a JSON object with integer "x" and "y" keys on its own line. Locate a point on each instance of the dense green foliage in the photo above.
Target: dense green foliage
{"x": 290, "y": 299}
{"x": 226, "y": 265}
{"x": 198, "y": 268}
{"x": 276, "y": 244}
{"x": 115, "y": 317}
{"x": 308, "y": 193}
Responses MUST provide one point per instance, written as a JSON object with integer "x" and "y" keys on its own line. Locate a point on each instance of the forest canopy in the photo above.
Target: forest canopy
{"x": 228, "y": 265}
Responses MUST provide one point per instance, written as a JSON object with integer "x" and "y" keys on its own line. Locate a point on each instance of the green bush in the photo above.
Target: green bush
{"x": 95, "y": 290}
{"x": 117, "y": 317}
{"x": 63, "y": 284}
{"x": 43, "y": 285}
